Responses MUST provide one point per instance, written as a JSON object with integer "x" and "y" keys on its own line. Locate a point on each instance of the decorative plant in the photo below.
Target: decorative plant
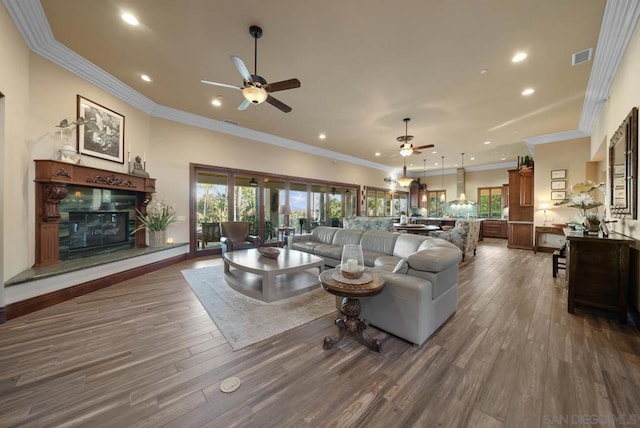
{"x": 581, "y": 198}
{"x": 159, "y": 216}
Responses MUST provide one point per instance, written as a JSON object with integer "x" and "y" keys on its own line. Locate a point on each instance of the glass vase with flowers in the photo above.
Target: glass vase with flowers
{"x": 582, "y": 198}
{"x": 158, "y": 217}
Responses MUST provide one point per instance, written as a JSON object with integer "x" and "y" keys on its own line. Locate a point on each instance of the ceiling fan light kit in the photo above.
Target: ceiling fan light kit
{"x": 255, "y": 88}
{"x": 254, "y": 94}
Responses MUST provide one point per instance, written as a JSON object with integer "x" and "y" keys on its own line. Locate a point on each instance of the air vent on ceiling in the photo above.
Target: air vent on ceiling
{"x": 230, "y": 121}
{"x": 582, "y": 56}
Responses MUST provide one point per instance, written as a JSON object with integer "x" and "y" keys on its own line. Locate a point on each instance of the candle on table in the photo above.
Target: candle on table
{"x": 352, "y": 265}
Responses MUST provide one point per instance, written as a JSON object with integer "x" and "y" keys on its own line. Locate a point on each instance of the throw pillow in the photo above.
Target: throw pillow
{"x": 402, "y": 267}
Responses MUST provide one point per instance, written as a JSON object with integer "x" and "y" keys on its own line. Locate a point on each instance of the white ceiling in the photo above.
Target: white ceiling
{"x": 364, "y": 66}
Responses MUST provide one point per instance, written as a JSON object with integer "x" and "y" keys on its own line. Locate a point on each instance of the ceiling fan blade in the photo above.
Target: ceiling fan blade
{"x": 244, "y": 104}
{"x": 428, "y": 146}
{"x": 278, "y": 104}
{"x": 283, "y": 85}
{"x": 224, "y": 85}
{"x": 242, "y": 69}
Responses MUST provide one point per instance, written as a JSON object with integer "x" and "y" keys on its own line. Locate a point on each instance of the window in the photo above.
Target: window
{"x": 490, "y": 202}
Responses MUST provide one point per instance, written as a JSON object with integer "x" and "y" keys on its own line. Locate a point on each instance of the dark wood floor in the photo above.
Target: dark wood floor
{"x": 144, "y": 353}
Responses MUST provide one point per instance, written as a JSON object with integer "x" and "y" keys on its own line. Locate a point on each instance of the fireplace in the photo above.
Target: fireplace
{"x": 82, "y": 211}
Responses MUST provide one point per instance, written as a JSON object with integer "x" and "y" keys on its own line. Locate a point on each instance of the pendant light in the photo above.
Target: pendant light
{"x": 424, "y": 177}
{"x": 442, "y": 197}
{"x": 463, "y": 197}
{"x": 405, "y": 181}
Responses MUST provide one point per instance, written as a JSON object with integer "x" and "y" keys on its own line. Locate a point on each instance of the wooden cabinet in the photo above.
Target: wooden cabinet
{"x": 520, "y": 209}
{"x": 505, "y": 195}
{"x": 598, "y": 272}
{"x": 526, "y": 190}
{"x": 495, "y": 229}
{"x": 415, "y": 196}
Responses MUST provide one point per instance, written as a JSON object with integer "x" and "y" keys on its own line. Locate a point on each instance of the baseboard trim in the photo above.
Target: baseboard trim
{"x": 23, "y": 307}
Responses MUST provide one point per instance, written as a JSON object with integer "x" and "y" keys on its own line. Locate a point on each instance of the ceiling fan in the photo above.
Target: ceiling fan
{"x": 255, "y": 88}
{"x": 406, "y": 148}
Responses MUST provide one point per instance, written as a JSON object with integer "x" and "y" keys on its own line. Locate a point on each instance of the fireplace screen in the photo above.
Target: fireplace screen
{"x": 97, "y": 229}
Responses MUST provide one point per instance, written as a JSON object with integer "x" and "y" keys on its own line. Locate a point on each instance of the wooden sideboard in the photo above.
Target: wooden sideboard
{"x": 598, "y": 272}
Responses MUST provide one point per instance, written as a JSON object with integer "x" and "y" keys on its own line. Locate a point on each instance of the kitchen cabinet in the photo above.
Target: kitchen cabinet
{"x": 495, "y": 229}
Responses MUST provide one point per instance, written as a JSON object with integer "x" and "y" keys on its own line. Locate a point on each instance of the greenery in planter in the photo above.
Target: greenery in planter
{"x": 158, "y": 217}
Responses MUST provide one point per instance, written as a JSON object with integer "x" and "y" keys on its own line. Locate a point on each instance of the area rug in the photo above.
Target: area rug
{"x": 243, "y": 320}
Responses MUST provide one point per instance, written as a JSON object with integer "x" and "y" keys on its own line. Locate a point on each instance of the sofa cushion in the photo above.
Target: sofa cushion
{"x": 434, "y": 259}
{"x": 386, "y": 263}
{"x": 330, "y": 251}
{"x": 323, "y": 234}
{"x": 401, "y": 267}
{"x": 406, "y": 244}
{"x": 347, "y": 236}
{"x": 306, "y": 246}
{"x": 379, "y": 242}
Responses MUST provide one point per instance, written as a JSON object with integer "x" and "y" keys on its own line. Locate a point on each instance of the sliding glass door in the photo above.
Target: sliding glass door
{"x": 212, "y": 207}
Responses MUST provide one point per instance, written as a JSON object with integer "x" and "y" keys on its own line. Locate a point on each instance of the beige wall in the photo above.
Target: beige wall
{"x": 14, "y": 84}
{"x": 623, "y": 95}
{"x": 572, "y": 156}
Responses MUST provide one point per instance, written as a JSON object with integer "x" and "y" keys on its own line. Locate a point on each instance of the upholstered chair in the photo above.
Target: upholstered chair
{"x": 234, "y": 235}
{"x": 210, "y": 232}
{"x": 465, "y": 235}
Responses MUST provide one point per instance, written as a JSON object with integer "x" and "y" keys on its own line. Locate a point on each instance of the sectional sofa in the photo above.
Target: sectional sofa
{"x": 421, "y": 275}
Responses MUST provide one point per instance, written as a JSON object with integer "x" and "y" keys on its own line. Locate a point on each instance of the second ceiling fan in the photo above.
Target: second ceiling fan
{"x": 406, "y": 148}
{"x": 255, "y": 88}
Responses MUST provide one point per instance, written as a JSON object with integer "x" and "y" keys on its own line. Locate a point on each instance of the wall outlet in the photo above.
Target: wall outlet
{"x": 181, "y": 218}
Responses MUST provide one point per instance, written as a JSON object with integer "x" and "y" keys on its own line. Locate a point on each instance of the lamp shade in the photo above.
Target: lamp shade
{"x": 285, "y": 209}
{"x": 544, "y": 206}
{"x": 255, "y": 94}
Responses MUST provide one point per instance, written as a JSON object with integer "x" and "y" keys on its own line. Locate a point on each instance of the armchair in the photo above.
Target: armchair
{"x": 234, "y": 235}
{"x": 465, "y": 235}
{"x": 210, "y": 232}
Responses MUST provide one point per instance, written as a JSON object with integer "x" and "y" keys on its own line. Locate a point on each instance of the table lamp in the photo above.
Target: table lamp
{"x": 544, "y": 207}
{"x": 286, "y": 211}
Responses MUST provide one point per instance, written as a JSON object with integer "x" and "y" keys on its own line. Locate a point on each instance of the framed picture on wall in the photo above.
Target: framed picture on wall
{"x": 102, "y": 135}
{"x": 559, "y": 185}
{"x": 558, "y": 196}
{"x": 557, "y": 174}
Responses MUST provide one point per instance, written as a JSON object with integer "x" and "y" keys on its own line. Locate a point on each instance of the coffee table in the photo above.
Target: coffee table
{"x": 271, "y": 279}
{"x": 351, "y": 308}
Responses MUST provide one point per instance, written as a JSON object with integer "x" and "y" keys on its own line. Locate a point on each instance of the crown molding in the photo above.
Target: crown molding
{"x": 32, "y": 23}
{"x": 558, "y": 136}
{"x": 618, "y": 23}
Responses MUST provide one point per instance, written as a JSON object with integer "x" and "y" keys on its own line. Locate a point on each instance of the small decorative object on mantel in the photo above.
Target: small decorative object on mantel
{"x": 269, "y": 252}
{"x": 138, "y": 167}
{"x": 67, "y": 153}
{"x": 582, "y": 199}
{"x": 159, "y": 216}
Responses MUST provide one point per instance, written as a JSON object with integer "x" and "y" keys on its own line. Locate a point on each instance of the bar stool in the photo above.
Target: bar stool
{"x": 559, "y": 261}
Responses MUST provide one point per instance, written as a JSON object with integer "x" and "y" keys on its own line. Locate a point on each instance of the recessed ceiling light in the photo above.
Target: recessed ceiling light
{"x": 217, "y": 102}
{"x": 434, "y": 152}
{"x": 484, "y": 70}
{"x": 520, "y": 56}
{"x": 146, "y": 78}
{"x": 487, "y": 142}
{"x": 377, "y": 153}
{"x": 129, "y": 19}
{"x": 503, "y": 158}
{"x": 473, "y": 158}
{"x": 528, "y": 91}
{"x": 322, "y": 136}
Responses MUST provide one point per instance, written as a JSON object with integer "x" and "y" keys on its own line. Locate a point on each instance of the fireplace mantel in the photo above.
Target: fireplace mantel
{"x": 51, "y": 180}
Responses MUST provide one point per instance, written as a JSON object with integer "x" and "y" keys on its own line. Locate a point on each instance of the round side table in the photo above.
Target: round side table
{"x": 351, "y": 308}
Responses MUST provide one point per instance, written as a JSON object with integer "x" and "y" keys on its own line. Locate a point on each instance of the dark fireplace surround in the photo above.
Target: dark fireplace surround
{"x": 52, "y": 179}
